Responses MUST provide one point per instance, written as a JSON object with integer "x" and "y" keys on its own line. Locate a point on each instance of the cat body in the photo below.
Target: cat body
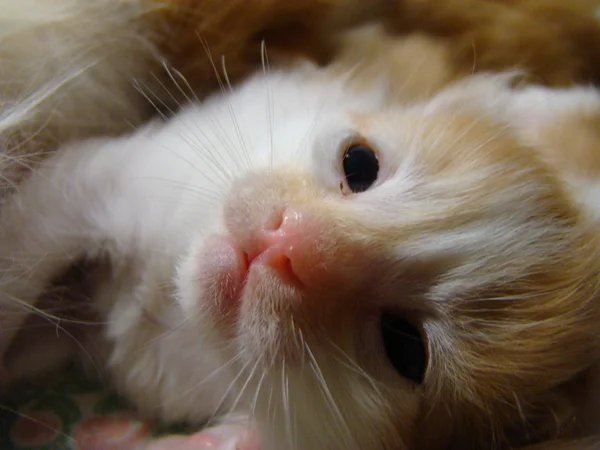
{"x": 254, "y": 266}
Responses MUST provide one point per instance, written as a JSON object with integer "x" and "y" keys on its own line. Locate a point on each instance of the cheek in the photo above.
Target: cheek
{"x": 209, "y": 278}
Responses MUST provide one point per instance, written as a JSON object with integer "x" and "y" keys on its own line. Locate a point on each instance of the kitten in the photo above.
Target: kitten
{"x": 347, "y": 269}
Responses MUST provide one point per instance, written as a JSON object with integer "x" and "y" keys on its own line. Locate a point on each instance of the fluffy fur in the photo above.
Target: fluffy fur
{"x": 556, "y": 42}
{"x": 74, "y": 68}
{"x": 79, "y": 68}
{"x": 475, "y": 231}
{"x": 67, "y": 72}
{"x": 541, "y": 372}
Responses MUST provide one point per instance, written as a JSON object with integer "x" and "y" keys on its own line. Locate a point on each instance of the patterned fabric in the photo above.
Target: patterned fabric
{"x": 72, "y": 413}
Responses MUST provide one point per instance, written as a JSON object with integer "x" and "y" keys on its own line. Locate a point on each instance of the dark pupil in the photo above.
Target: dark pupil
{"x": 360, "y": 167}
{"x": 404, "y": 347}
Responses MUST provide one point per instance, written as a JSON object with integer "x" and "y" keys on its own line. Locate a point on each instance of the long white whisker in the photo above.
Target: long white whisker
{"x": 168, "y": 92}
{"x": 224, "y": 397}
{"x": 266, "y": 69}
{"x": 32, "y": 419}
{"x": 210, "y": 376}
{"x": 207, "y": 158}
{"x": 202, "y": 191}
{"x": 256, "y": 394}
{"x": 184, "y": 80}
{"x": 205, "y": 152}
{"x": 285, "y": 394}
{"x": 245, "y": 385}
{"x": 244, "y": 147}
{"x": 12, "y": 116}
{"x": 56, "y": 322}
{"x": 270, "y": 411}
{"x": 53, "y": 319}
{"x": 330, "y": 401}
{"x": 143, "y": 89}
{"x": 228, "y": 101}
{"x": 354, "y": 367}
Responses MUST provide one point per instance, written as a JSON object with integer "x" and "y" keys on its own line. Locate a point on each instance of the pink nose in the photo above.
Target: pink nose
{"x": 286, "y": 243}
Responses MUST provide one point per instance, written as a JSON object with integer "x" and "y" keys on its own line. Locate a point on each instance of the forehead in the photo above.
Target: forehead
{"x": 450, "y": 157}
{"x": 455, "y": 182}
{"x": 440, "y": 140}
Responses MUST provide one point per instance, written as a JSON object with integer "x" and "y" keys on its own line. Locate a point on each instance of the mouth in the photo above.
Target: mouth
{"x": 232, "y": 269}
{"x": 223, "y": 271}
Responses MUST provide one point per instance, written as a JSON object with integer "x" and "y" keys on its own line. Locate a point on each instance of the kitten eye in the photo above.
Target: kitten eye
{"x": 361, "y": 167}
{"x": 404, "y": 347}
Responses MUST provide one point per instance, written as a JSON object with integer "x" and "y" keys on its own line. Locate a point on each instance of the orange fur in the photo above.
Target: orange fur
{"x": 191, "y": 33}
{"x": 516, "y": 369}
{"x": 520, "y": 367}
{"x": 555, "y": 41}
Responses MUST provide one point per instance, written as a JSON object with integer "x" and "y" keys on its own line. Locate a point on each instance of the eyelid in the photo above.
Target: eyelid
{"x": 353, "y": 140}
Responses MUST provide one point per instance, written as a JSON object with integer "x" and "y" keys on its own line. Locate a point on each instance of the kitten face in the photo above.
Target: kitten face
{"x": 419, "y": 268}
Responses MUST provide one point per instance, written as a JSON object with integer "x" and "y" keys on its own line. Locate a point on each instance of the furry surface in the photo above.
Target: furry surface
{"x": 557, "y": 42}
{"x": 475, "y": 231}
{"x": 69, "y": 71}
{"x": 74, "y": 68}
{"x": 78, "y": 68}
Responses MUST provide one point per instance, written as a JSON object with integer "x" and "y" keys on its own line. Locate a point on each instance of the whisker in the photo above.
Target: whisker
{"x": 167, "y": 91}
{"x": 208, "y": 52}
{"x": 256, "y": 395}
{"x": 245, "y": 385}
{"x": 224, "y": 397}
{"x": 36, "y": 421}
{"x": 266, "y": 69}
{"x": 239, "y": 133}
{"x": 226, "y": 98}
{"x": 53, "y": 319}
{"x": 142, "y": 89}
{"x": 210, "y": 155}
{"x": 206, "y": 153}
{"x": 184, "y": 81}
{"x": 188, "y": 187}
{"x": 207, "y": 158}
{"x": 270, "y": 409}
{"x": 285, "y": 394}
{"x": 329, "y": 400}
{"x": 12, "y": 116}
{"x": 221, "y": 368}
{"x": 56, "y": 322}
{"x": 354, "y": 367}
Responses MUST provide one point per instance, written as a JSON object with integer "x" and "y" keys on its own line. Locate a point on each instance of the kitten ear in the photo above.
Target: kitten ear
{"x": 534, "y": 111}
{"x": 563, "y": 125}
{"x": 508, "y": 98}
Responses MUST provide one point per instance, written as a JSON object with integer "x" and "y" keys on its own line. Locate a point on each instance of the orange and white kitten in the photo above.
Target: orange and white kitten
{"x": 347, "y": 269}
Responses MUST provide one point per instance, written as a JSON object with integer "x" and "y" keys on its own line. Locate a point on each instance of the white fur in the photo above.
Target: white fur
{"x": 148, "y": 201}
{"x": 144, "y": 200}
{"x": 68, "y": 70}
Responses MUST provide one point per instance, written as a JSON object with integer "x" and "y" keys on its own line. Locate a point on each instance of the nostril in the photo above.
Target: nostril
{"x": 274, "y": 219}
{"x": 282, "y": 264}
{"x": 247, "y": 258}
